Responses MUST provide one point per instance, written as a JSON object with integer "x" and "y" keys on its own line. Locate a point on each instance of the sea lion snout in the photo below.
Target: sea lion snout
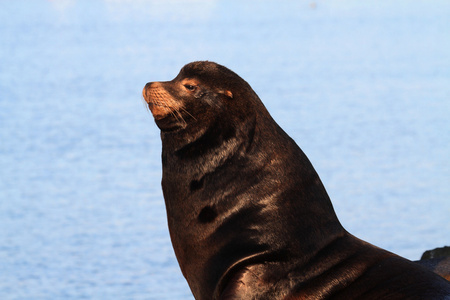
{"x": 151, "y": 92}
{"x": 160, "y": 102}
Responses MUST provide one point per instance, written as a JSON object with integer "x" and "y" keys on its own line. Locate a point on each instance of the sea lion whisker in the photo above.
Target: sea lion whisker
{"x": 174, "y": 114}
{"x": 145, "y": 104}
{"x": 180, "y": 116}
{"x": 185, "y": 110}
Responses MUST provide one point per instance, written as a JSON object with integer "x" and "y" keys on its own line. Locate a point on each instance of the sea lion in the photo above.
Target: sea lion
{"x": 248, "y": 215}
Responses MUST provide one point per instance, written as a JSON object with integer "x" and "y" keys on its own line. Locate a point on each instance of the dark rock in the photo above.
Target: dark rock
{"x": 436, "y": 253}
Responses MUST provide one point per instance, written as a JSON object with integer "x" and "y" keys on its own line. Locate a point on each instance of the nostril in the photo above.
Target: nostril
{"x": 146, "y": 87}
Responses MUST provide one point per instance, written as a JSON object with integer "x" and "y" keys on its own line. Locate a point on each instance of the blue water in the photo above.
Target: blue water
{"x": 362, "y": 86}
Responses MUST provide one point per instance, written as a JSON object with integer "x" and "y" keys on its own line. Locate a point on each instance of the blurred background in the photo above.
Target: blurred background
{"x": 362, "y": 86}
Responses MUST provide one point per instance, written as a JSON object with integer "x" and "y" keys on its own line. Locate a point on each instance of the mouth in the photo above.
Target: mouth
{"x": 169, "y": 122}
{"x": 157, "y": 108}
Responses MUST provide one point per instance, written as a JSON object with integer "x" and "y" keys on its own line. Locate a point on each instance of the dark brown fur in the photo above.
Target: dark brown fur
{"x": 248, "y": 216}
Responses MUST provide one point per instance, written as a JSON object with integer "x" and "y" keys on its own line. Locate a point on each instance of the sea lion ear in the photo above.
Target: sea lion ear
{"x": 227, "y": 93}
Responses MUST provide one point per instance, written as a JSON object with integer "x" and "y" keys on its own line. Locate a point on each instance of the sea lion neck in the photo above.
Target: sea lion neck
{"x": 247, "y": 198}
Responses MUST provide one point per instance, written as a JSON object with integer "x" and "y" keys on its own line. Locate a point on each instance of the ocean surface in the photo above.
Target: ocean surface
{"x": 362, "y": 86}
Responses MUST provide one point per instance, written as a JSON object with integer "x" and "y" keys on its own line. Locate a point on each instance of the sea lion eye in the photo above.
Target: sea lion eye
{"x": 190, "y": 87}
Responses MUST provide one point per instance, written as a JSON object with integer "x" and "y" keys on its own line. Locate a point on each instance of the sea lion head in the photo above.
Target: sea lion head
{"x": 202, "y": 92}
